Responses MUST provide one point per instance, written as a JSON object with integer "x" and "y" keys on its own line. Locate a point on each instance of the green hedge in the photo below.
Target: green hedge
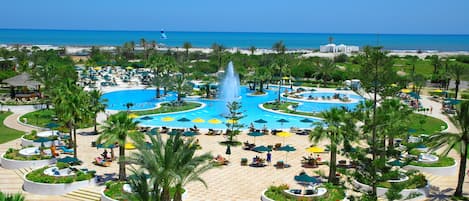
{"x": 39, "y": 176}
{"x": 14, "y": 154}
{"x": 167, "y": 107}
{"x": 443, "y": 161}
{"x": 333, "y": 193}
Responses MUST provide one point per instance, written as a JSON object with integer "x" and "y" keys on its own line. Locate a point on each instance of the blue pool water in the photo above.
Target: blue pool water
{"x": 213, "y": 109}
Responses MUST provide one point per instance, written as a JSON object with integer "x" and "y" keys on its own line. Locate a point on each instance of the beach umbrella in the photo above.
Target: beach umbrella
{"x": 198, "y": 120}
{"x": 103, "y": 146}
{"x": 68, "y": 160}
{"x": 52, "y": 125}
{"x": 284, "y": 134}
{"x": 174, "y": 132}
{"x": 452, "y": 101}
{"x": 397, "y": 163}
{"x": 411, "y": 130}
{"x": 287, "y": 149}
{"x": 166, "y": 119}
{"x": 315, "y": 150}
{"x": 147, "y": 118}
{"x": 304, "y": 178}
{"x": 129, "y": 68}
{"x": 132, "y": 115}
{"x": 285, "y": 78}
{"x": 65, "y": 137}
{"x": 414, "y": 95}
{"x": 184, "y": 119}
{"x": 406, "y": 91}
{"x": 214, "y": 121}
{"x": 189, "y": 133}
{"x": 393, "y": 85}
{"x": 255, "y": 134}
{"x": 129, "y": 146}
{"x": 261, "y": 121}
{"x": 437, "y": 91}
{"x": 231, "y": 121}
{"x": 421, "y": 146}
{"x": 282, "y": 121}
{"x": 261, "y": 149}
{"x": 42, "y": 140}
{"x": 153, "y": 131}
{"x": 305, "y": 120}
{"x": 97, "y": 68}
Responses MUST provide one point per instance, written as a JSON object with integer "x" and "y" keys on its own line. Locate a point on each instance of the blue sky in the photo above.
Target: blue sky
{"x": 310, "y": 16}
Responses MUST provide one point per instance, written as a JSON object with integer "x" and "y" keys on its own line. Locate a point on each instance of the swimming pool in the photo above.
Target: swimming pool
{"x": 213, "y": 109}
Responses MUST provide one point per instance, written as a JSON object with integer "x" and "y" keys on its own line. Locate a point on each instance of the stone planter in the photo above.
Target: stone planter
{"x": 264, "y": 197}
{"x": 381, "y": 191}
{"x": 106, "y": 198}
{"x": 54, "y": 189}
{"x": 439, "y": 171}
{"x": 27, "y": 143}
{"x": 16, "y": 164}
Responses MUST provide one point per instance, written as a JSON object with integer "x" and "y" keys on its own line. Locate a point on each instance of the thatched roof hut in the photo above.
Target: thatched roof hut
{"x": 22, "y": 80}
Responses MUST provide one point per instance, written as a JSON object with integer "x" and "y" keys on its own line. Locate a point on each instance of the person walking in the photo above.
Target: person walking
{"x": 269, "y": 157}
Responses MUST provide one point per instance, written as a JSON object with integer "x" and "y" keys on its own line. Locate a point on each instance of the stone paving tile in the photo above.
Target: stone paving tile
{"x": 231, "y": 182}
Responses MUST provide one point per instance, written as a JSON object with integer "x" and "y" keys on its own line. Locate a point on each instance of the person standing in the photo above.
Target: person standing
{"x": 269, "y": 157}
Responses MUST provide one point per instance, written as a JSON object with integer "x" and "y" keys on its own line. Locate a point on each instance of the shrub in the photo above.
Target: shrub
{"x": 39, "y": 176}
{"x": 13, "y": 154}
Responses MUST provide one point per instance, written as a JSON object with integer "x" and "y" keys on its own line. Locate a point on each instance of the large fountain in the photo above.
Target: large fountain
{"x": 229, "y": 90}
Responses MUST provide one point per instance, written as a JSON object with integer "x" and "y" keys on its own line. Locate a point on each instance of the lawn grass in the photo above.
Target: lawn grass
{"x": 430, "y": 126}
{"x": 443, "y": 161}
{"x": 41, "y": 118}
{"x": 284, "y": 108}
{"x": 7, "y": 134}
{"x": 167, "y": 108}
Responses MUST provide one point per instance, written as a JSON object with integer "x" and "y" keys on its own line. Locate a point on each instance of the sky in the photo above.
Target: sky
{"x": 303, "y": 16}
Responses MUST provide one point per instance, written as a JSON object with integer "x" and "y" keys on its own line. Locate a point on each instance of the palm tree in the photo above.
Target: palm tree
{"x": 325, "y": 70}
{"x": 436, "y": 63}
{"x": 456, "y": 141}
{"x": 252, "y": 49}
{"x": 262, "y": 74}
{"x": 11, "y": 197}
{"x": 143, "y": 190}
{"x": 187, "y": 45}
{"x": 129, "y": 106}
{"x": 116, "y": 130}
{"x": 456, "y": 71}
{"x": 143, "y": 43}
{"x": 171, "y": 163}
{"x": 279, "y": 47}
{"x": 340, "y": 130}
{"x": 97, "y": 104}
{"x": 181, "y": 85}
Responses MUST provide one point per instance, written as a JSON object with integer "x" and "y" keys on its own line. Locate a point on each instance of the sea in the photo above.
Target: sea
{"x": 424, "y": 42}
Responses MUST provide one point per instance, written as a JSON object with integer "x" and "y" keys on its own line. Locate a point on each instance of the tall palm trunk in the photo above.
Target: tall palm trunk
{"x": 178, "y": 193}
{"x": 462, "y": 170}
{"x": 158, "y": 92}
{"x": 75, "y": 142}
{"x": 373, "y": 138}
{"x": 96, "y": 123}
{"x": 332, "y": 170}
{"x": 122, "y": 174}
{"x": 456, "y": 90}
{"x": 261, "y": 86}
{"x": 165, "y": 194}
{"x": 165, "y": 90}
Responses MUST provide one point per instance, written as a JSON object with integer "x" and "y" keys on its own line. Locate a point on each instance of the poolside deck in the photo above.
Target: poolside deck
{"x": 231, "y": 182}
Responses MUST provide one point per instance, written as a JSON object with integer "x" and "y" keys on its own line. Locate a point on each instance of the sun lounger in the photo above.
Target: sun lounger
{"x": 66, "y": 150}
{"x": 101, "y": 162}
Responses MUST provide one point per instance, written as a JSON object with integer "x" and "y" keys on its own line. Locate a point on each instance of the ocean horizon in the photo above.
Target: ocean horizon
{"x": 424, "y": 42}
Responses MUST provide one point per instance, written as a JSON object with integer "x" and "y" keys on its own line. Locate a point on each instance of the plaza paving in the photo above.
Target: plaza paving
{"x": 231, "y": 182}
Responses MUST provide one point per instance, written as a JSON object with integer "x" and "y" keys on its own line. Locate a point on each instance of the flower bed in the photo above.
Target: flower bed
{"x": 13, "y": 161}
{"x": 114, "y": 192}
{"x": 28, "y": 140}
{"x": 416, "y": 183}
{"x": 277, "y": 193}
{"x": 38, "y": 182}
{"x": 445, "y": 166}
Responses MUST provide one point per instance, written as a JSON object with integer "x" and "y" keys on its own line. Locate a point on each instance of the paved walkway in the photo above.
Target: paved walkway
{"x": 232, "y": 182}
